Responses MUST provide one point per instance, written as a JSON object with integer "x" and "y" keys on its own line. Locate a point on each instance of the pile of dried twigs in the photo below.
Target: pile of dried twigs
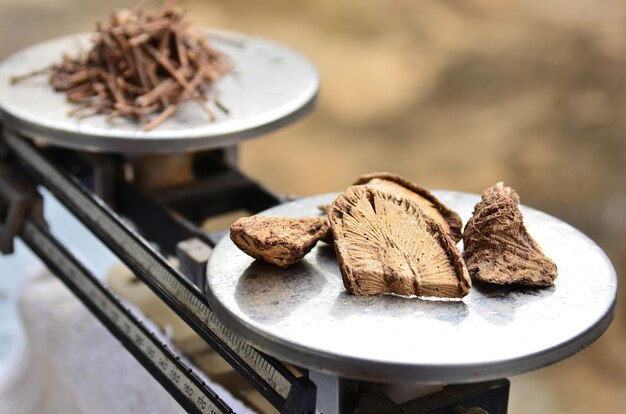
{"x": 141, "y": 63}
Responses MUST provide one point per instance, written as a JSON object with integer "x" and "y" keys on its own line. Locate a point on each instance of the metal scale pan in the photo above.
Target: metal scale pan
{"x": 304, "y": 316}
{"x": 270, "y": 86}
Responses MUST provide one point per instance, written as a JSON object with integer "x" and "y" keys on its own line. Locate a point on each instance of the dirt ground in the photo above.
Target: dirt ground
{"x": 451, "y": 94}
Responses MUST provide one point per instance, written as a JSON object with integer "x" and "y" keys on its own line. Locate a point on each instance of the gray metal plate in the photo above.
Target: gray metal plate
{"x": 271, "y": 85}
{"x": 304, "y": 316}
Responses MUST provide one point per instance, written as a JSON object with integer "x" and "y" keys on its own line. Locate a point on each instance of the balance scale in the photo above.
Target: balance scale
{"x": 345, "y": 353}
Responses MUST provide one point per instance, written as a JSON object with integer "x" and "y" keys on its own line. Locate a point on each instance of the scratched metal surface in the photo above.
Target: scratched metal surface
{"x": 271, "y": 85}
{"x": 303, "y": 314}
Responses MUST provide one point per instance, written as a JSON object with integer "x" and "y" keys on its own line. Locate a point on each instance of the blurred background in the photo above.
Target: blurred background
{"x": 452, "y": 95}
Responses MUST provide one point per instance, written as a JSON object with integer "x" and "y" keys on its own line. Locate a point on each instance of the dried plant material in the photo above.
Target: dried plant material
{"x": 281, "y": 241}
{"x": 449, "y": 220}
{"x": 386, "y": 244}
{"x": 498, "y": 248}
{"x": 324, "y": 208}
{"x": 140, "y": 63}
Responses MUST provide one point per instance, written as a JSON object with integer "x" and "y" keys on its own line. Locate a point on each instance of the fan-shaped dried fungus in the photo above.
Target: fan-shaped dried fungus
{"x": 281, "y": 241}
{"x": 449, "y": 220}
{"x": 386, "y": 244}
{"x": 498, "y": 248}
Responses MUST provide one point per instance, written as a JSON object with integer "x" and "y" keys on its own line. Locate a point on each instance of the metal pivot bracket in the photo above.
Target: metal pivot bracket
{"x": 193, "y": 255}
{"x": 301, "y": 398}
{"x": 18, "y": 198}
{"x": 489, "y": 397}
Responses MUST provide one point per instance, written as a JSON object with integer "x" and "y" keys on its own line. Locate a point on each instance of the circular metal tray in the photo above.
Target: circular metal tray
{"x": 271, "y": 85}
{"x": 304, "y": 316}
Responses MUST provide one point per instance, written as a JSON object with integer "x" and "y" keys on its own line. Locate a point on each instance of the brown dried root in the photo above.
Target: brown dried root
{"x": 140, "y": 63}
{"x": 386, "y": 244}
{"x": 449, "y": 220}
{"x": 498, "y": 248}
{"x": 281, "y": 241}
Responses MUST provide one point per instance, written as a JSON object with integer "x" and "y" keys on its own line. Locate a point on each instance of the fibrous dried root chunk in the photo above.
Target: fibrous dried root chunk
{"x": 449, "y": 220}
{"x": 386, "y": 244}
{"x": 281, "y": 241}
{"x": 498, "y": 248}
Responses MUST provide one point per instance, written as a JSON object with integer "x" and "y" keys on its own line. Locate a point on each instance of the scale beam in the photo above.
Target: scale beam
{"x": 164, "y": 365}
{"x": 265, "y": 373}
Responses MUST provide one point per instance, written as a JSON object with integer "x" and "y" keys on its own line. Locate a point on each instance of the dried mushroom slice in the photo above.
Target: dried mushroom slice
{"x": 281, "y": 241}
{"x": 449, "y": 220}
{"x": 498, "y": 248}
{"x": 386, "y": 244}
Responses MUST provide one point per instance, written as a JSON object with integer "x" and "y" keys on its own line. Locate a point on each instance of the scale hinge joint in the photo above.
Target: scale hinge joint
{"x": 18, "y": 198}
{"x": 301, "y": 398}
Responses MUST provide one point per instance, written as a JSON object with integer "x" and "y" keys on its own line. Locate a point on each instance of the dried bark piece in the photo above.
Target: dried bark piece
{"x": 449, "y": 220}
{"x": 498, "y": 248}
{"x": 386, "y": 244}
{"x": 281, "y": 241}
